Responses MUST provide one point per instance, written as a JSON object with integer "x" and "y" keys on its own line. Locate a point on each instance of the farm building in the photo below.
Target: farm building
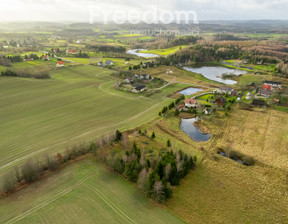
{"x": 108, "y": 62}
{"x": 60, "y": 64}
{"x": 71, "y": 51}
{"x": 139, "y": 88}
{"x": 273, "y": 84}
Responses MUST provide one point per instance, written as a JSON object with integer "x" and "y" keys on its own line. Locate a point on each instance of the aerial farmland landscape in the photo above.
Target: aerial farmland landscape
{"x": 144, "y": 112}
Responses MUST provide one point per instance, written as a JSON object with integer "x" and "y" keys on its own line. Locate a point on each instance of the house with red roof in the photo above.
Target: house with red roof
{"x": 71, "y": 51}
{"x": 190, "y": 103}
{"x": 266, "y": 87}
{"x": 60, "y": 64}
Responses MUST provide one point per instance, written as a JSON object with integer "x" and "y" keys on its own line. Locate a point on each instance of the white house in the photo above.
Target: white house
{"x": 207, "y": 111}
{"x": 225, "y": 89}
{"x": 249, "y": 96}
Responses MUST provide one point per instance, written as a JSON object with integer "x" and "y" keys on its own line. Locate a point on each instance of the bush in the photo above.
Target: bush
{"x": 30, "y": 171}
{"x": 118, "y": 136}
{"x": 9, "y": 183}
{"x": 249, "y": 161}
{"x": 168, "y": 143}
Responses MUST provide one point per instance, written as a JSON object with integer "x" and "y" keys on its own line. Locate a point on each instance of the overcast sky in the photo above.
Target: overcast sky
{"x": 76, "y": 10}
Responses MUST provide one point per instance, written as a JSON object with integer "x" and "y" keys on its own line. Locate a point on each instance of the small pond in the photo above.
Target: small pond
{"x": 187, "y": 126}
{"x": 145, "y": 55}
{"x": 215, "y": 73}
{"x": 189, "y": 91}
{"x": 235, "y": 158}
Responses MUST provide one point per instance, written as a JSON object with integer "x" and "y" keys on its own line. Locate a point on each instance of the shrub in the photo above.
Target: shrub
{"x": 168, "y": 143}
{"x": 9, "y": 182}
{"x": 30, "y": 171}
{"x": 249, "y": 161}
{"x": 118, "y": 136}
{"x": 153, "y": 135}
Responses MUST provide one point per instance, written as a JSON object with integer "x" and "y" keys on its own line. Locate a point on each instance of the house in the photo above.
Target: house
{"x": 100, "y": 63}
{"x": 147, "y": 64}
{"x": 139, "y": 88}
{"x": 265, "y": 92}
{"x": 273, "y": 84}
{"x": 108, "y": 62}
{"x": 235, "y": 92}
{"x": 260, "y": 63}
{"x": 147, "y": 76}
{"x": 252, "y": 85}
{"x": 190, "y": 103}
{"x": 220, "y": 101}
{"x": 45, "y": 57}
{"x": 128, "y": 80}
{"x": 225, "y": 89}
{"x": 249, "y": 96}
{"x": 207, "y": 111}
{"x": 245, "y": 61}
{"x": 266, "y": 87}
{"x": 71, "y": 51}
{"x": 60, "y": 64}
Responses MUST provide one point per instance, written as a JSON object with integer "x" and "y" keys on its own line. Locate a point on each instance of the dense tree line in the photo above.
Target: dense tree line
{"x": 212, "y": 52}
{"x": 25, "y": 74}
{"x": 106, "y": 48}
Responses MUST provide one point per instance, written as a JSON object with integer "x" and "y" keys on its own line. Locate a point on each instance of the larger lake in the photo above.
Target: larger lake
{"x": 141, "y": 54}
{"x": 215, "y": 73}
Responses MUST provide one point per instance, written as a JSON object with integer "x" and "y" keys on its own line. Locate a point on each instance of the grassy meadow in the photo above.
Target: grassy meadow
{"x": 220, "y": 189}
{"x": 85, "y": 192}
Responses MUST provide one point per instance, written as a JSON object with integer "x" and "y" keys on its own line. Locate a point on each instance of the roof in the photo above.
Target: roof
{"x": 265, "y": 92}
{"x": 60, "y": 62}
{"x": 108, "y": 62}
{"x": 191, "y": 101}
{"x": 71, "y": 51}
{"x": 272, "y": 82}
{"x": 180, "y": 106}
{"x": 266, "y": 87}
{"x": 226, "y": 88}
{"x": 139, "y": 87}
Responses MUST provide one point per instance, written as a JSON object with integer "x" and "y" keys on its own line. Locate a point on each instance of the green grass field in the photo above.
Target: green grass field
{"x": 76, "y": 104}
{"x": 166, "y": 51}
{"x": 84, "y": 192}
